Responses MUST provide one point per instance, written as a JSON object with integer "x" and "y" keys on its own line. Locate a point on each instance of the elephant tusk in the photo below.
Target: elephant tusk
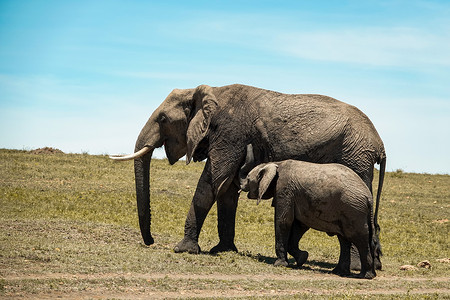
{"x": 135, "y": 155}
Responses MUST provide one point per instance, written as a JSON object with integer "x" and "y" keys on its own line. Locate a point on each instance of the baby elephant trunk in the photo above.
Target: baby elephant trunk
{"x": 246, "y": 168}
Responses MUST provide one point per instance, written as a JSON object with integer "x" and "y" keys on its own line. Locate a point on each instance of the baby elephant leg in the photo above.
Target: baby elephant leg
{"x": 367, "y": 261}
{"x": 297, "y": 231}
{"x": 284, "y": 218}
{"x": 343, "y": 266}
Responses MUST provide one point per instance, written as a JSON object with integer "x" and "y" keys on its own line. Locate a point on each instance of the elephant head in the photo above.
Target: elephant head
{"x": 261, "y": 181}
{"x": 179, "y": 124}
{"x": 257, "y": 181}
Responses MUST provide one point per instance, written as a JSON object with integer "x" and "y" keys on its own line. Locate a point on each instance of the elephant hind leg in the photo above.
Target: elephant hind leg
{"x": 343, "y": 266}
{"x": 367, "y": 261}
{"x": 298, "y": 229}
{"x": 377, "y": 252}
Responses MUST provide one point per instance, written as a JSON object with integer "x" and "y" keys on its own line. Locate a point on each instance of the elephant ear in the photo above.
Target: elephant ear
{"x": 266, "y": 175}
{"x": 204, "y": 107}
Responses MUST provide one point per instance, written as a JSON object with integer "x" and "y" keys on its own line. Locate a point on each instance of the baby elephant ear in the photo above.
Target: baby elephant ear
{"x": 204, "y": 106}
{"x": 267, "y": 174}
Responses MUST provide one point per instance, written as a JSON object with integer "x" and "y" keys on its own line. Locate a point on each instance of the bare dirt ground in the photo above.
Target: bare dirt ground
{"x": 141, "y": 292}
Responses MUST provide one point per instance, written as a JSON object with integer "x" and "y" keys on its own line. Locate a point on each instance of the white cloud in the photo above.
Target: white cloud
{"x": 403, "y": 43}
{"x": 404, "y": 47}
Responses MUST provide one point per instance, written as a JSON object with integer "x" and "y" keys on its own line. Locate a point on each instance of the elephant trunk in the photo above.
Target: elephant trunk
{"x": 142, "y": 178}
{"x": 150, "y": 138}
{"x": 142, "y": 158}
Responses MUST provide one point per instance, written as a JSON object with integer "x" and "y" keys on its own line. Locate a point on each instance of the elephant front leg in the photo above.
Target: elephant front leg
{"x": 226, "y": 219}
{"x": 284, "y": 219}
{"x": 201, "y": 204}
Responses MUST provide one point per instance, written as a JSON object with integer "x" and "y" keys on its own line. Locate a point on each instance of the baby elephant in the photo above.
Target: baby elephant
{"x": 326, "y": 197}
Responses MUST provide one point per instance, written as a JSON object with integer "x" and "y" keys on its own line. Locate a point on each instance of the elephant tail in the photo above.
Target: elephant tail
{"x": 382, "y": 162}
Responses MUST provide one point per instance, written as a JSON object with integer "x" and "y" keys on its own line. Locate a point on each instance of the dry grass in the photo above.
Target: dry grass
{"x": 68, "y": 228}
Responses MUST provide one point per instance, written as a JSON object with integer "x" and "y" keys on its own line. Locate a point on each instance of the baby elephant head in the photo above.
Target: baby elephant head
{"x": 259, "y": 181}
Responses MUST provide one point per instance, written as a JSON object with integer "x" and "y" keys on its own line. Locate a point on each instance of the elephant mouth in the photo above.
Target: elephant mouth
{"x": 171, "y": 156}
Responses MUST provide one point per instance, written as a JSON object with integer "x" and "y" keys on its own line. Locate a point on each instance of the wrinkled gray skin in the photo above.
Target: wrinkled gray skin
{"x": 325, "y": 197}
{"x": 216, "y": 123}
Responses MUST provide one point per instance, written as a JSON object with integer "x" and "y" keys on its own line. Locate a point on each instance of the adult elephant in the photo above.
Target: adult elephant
{"x": 216, "y": 123}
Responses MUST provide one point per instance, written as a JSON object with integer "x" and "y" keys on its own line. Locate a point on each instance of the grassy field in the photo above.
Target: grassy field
{"x": 68, "y": 229}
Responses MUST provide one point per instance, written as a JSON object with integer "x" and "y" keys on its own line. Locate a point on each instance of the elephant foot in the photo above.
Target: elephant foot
{"x": 149, "y": 241}
{"x": 281, "y": 263}
{"x": 355, "y": 261}
{"x": 366, "y": 275}
{"x": 223, "y": 247}
{"x": 377, "y": 263}
{"x": 301, "y": 258}
{"x": 187, "y": 245}
{"x": 341, "y": 271}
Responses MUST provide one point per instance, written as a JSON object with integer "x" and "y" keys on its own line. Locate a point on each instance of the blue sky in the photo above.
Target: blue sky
{"x": 84, "y": 76}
